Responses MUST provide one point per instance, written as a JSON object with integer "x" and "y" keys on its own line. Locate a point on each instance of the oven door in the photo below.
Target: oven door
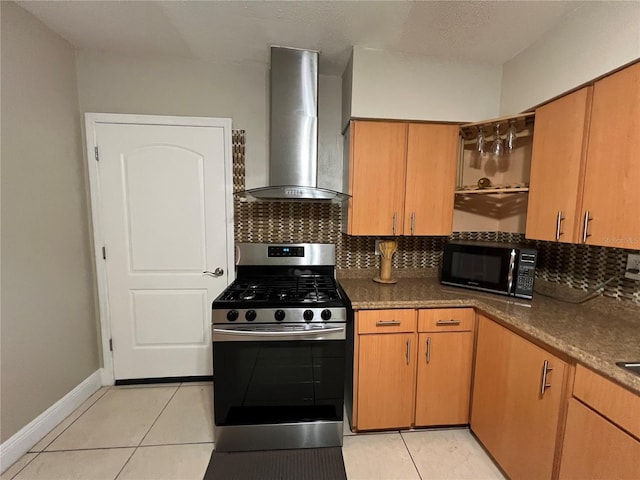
{"x": 278, "y": 374}
{"x": 480, "y": 267}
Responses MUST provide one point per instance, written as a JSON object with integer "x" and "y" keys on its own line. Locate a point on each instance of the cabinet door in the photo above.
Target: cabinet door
{"x": 386, "y": 365}
{"x": 612, "y": 179}
{"x": 444, "y": 378}
{"x": 513, "y": 419}
{"x": 377, "y": 178}
{"x": 595, "y": 448}
{"x": 431, "y": 176}
{"x": 557, "y": 164}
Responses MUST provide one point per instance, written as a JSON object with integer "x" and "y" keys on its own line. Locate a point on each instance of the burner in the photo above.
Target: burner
{"x": 316, "y": 297}
{"x": 250, "y": 293}
{"x": 282, "y": 295}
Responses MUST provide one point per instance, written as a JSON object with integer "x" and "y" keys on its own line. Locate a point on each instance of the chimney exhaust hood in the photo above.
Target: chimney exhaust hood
{"x": 293, "y": 145}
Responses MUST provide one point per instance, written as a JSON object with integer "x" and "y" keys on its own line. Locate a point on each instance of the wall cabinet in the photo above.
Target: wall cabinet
{"x": 594, "y": 444}
{"x": 445, "y": 359}
{"x": 584, "y": 168}
{"x": 401, "y": 178}
{"x": 517, "y": 397}
{"x": 387, "y": 393}
{"x": 559, "y": 149}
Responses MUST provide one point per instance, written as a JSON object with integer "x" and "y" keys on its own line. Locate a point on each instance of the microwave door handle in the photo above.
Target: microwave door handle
{"x": 512, "y": 267}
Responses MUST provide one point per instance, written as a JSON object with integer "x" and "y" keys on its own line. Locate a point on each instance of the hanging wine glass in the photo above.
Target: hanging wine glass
{"x": 510, "y": 141}
{"x": 497, "y": 148}
{"x": 511, "y": 135}
{"x": 475, "y": 160}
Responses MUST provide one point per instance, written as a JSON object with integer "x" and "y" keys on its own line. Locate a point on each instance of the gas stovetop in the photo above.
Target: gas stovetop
{"x": 282, "y": 283}
{"x": 291, "y": 290}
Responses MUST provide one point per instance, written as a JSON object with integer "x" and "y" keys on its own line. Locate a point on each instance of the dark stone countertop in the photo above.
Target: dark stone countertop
{"x": 596, "y": 333}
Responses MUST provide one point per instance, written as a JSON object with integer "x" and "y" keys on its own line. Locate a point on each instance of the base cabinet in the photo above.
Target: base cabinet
{"x": 385, "y": 369}
{"x": 413, "y": 368}
{"x": 517, "y": 397}
{"x": 445, "y": 359}
{"x": 595, "y": 448}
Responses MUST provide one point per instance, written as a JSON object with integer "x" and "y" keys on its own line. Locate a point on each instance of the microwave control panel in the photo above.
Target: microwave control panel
{"x": 526, "y": 273}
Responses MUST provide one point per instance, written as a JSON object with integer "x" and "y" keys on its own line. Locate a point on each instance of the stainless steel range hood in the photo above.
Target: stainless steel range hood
{"x": 293, "y": 146}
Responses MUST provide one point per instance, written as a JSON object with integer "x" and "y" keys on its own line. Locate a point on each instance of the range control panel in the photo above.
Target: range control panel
{"x": 281, "y": 251}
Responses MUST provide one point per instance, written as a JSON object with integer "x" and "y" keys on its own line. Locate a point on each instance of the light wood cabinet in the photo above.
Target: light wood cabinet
{"x": 430, "y": 179}
{"x": 611, "y": 194}
{"x": 376, "y": 177}
{"x": 518, "y": 391}
{"x": 385, "y": 369}
{"x": 557, "y": 164}
{"x": 584, "y": 168}
{"x": 602, "y": 434}
{"x": 401, "y": 178}
{"x": 388, "y": 392}
{"x": 594, "y": 448}
{"x": 445, "y": 359}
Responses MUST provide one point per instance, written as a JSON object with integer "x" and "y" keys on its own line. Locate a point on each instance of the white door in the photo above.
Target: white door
{"x": 164, "y": 206}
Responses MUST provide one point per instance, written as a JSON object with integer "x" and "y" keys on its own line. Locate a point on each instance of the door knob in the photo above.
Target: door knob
{"x": 218, "y": 272}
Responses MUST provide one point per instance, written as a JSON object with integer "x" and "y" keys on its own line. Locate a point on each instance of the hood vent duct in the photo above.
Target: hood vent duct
{"x": 293, "y": 146}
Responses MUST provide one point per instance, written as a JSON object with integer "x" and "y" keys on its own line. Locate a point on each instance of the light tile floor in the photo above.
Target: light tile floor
{"x": 166, "y": 432}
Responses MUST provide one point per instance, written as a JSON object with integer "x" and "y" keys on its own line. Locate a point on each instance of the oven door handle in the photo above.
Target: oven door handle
{"x": 233, "y": 335}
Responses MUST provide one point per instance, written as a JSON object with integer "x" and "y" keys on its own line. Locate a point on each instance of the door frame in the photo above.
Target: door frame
{"x": 91, "y": 120}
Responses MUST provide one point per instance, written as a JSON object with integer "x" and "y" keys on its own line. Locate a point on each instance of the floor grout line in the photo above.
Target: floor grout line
{"x": 25, "y": 465}
{"x": 411, "y": 456}
{"x": 157, "y": 418}
{"x": 69, "y": 426}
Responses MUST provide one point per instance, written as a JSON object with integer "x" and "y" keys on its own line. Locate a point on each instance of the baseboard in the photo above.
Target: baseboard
{"x": 20, "y": 443}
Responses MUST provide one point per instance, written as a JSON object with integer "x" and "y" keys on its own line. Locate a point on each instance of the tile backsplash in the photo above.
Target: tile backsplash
{"x": 577, "y": 266}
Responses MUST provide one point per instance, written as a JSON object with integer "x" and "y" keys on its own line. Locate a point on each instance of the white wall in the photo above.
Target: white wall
{"x": 400, "y": 86}
{"x": 176, "y": 86}
{"x": 592, "y": 41}
{"x": 49, "y": 342}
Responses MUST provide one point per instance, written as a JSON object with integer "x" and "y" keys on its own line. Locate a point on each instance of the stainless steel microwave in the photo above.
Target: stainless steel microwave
{"x": 490, "y": 267}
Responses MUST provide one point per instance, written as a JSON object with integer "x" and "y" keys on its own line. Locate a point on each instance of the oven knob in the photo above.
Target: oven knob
{"x": 326, "y": 314}
{"x": 232, "y": 315}
{"x": 279, "y": 315}
{"x": 308, "y": 315}
{"x": 250, "y": 315}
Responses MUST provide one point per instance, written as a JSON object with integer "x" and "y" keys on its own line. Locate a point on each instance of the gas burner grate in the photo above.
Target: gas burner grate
{"x": 276, "y": 289}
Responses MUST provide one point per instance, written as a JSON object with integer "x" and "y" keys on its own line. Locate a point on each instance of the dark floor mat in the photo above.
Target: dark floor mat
{"x": 299, "y": 464}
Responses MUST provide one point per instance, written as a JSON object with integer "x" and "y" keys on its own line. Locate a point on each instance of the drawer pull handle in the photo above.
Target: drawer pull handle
{"x": 428, "y": 349}
{"x": 544, "y": 385}
{"x": 387, "y": 323}
{"x": 443, "y": 323}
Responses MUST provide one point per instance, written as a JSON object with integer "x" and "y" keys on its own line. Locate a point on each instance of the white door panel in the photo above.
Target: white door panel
{"x": 163, "y": 210}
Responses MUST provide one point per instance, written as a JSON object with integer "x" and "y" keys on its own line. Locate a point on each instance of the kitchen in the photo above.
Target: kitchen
{"x": 128, "y": 84}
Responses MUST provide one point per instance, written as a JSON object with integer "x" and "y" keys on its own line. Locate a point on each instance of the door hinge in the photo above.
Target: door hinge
{"x": 111, "y": 344}
{"x": 104, "y": 253}
{"x": 95, "y": 149}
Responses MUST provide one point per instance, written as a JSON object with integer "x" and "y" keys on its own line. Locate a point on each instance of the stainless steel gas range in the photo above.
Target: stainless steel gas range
{"x": 280, "y": 335}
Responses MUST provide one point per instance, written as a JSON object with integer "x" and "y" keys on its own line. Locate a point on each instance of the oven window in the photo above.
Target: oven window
{"x": 483, "y": 268}
{"x": 259, "y": 382}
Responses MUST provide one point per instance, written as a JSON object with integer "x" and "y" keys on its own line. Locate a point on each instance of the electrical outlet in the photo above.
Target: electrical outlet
{"x": 633, "y": 267}
{"x": 377, "y": 247}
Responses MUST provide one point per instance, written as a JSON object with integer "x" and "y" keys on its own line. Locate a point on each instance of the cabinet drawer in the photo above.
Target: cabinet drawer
{"x": 386, "y": 321}
{"x": 445, "y": 319}
{"x": 613, "y": 401}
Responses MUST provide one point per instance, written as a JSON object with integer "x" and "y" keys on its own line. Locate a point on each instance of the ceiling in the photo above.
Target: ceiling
{"x": 490, "y": 32}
